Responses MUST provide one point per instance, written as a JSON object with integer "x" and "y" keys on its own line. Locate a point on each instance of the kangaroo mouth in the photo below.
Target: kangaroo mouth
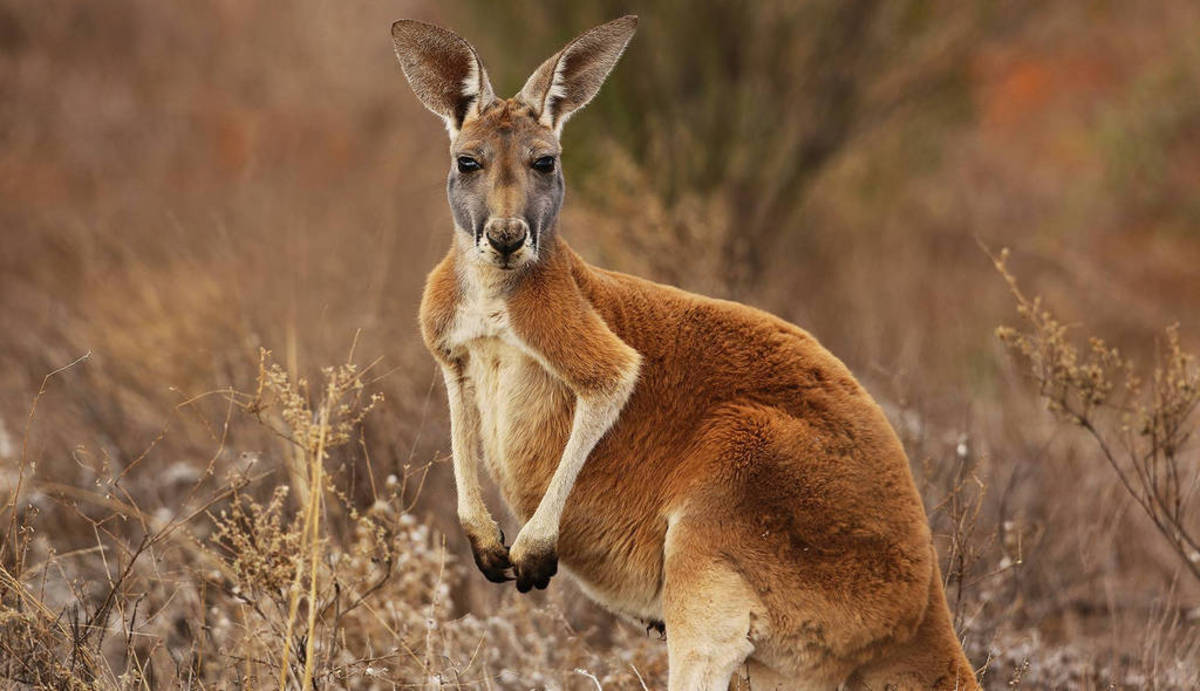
{"x": 512, "y": 262}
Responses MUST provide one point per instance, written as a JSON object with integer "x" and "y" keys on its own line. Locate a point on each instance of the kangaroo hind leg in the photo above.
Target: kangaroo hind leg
{"x": 931, "y": 659}
{"x": 709, "y": 611}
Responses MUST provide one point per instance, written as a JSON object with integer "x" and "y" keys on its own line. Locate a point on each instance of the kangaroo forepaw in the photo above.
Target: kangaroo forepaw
{"x": 535, "y": 568}
{"x": 491, "y": 556}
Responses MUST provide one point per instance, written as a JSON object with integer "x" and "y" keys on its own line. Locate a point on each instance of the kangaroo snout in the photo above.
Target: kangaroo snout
{"x": 506, "y": 235}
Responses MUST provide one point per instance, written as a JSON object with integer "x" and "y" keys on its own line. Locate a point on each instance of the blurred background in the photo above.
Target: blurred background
{"x": 182, "y": 184}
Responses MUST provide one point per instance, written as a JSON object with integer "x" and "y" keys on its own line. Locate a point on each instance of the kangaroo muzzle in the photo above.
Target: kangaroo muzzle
{"x": 506, "y": 235}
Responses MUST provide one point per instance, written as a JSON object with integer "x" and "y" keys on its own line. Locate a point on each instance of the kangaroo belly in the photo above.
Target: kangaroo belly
{"x": 525, "y": 417}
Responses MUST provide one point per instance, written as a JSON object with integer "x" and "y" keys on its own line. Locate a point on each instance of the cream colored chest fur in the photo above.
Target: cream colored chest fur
{"x": 516, "y": 398}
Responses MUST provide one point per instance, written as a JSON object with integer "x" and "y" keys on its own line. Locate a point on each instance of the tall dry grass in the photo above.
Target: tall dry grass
{"x": 182, "y": 186}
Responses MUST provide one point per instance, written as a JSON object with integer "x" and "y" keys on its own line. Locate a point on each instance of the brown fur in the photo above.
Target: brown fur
{"x": 750, "y": 493}
{"x": 756, "y": 437}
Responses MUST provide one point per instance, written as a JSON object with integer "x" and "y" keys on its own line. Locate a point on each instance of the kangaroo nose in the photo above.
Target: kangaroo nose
{"x": 506, "y": 235}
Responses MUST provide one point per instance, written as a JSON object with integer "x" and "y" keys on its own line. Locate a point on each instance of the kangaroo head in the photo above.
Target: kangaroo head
{"x": 505, "y": 183}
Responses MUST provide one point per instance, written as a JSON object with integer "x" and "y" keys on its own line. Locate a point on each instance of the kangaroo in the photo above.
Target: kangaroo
{"x": 694, "y": 463}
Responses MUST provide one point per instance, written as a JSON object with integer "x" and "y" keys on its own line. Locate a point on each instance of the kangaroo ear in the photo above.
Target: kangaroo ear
{"x": 444, "y": 71}
{"x": 572, "y": 76}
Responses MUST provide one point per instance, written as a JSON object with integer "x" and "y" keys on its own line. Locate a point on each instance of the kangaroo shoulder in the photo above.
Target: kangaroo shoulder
{"x": 557, "y": 320}
{"x": 439, "y": 304}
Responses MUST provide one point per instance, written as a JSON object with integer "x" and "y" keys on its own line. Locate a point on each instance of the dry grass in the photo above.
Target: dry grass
{"x": 276, "y": 592}
{"x": 182, "y": 186}
{"x": 1142, "y": 423}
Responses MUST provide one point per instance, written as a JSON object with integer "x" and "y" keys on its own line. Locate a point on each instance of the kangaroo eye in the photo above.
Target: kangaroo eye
{"x": 466, "y": 164}
{"x": 545, "y": 164}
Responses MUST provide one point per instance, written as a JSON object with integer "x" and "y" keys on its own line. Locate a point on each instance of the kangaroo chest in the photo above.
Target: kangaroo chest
{"x": 524, "y": 419}
{"x": 524, "y": 411}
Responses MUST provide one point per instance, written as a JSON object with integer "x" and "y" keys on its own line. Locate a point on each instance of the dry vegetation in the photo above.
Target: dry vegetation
{"x": 183, "y": 185}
